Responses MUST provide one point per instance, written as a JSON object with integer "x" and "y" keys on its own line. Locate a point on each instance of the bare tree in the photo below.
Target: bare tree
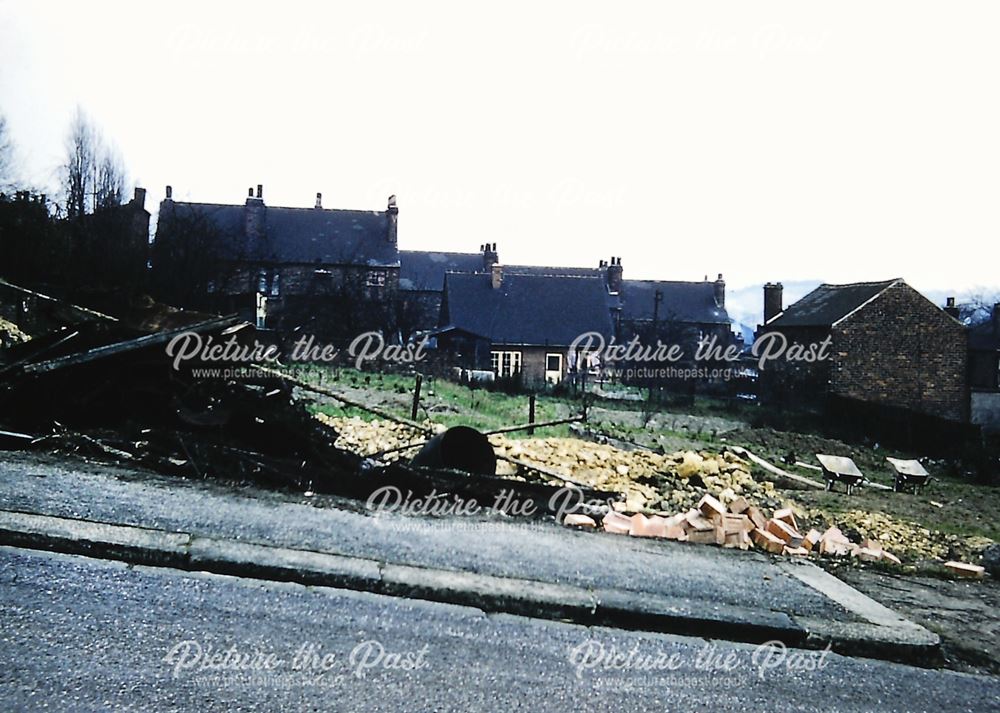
{"x": 94, "y": 174}
{"x": 109, "y": 188}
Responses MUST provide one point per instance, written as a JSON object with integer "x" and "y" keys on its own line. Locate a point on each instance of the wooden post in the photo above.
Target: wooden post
{"x": 531, "y": 413}
{"x": 416, "y": 398}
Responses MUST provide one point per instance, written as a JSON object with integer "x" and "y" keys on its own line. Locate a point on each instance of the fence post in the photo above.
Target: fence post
{"x": 416, "y": 398}
{"x": 531, "y": 413}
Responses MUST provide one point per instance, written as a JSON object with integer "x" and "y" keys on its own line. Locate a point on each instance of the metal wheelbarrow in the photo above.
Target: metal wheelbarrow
{"x": 909, "y": 474}
{"x": 840, "y": 469}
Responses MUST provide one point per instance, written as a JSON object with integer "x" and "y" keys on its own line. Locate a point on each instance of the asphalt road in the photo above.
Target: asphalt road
{"x": 88, "y": 635}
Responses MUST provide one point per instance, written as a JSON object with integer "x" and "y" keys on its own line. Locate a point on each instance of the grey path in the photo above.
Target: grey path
{"x": 491, "y": 545}
{"x": 78, "y": 634}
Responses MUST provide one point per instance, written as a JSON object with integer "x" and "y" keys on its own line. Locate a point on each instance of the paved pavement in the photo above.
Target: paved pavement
{"x": 500, "y": 546}
{"x": 80, "y": 634}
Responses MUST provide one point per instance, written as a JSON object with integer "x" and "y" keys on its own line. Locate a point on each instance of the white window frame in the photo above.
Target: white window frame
{"x": 553, "y": 376}
{"x": 505, "y": 363}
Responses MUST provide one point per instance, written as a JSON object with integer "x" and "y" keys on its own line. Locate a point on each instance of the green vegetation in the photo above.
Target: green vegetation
{"x": 441, "y": 401}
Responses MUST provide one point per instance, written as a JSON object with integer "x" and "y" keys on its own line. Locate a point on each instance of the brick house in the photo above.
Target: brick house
{"x": 322, "y": 270}
{"x": 984, "y": 372}
{"x": 890, "y": 346}
{"x": 520, "y": 325}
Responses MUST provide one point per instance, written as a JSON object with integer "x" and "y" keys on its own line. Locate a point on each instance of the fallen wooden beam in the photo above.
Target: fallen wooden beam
{"x": 305, "y": 385}
{"x": 538, "y": 424}
{"x": 774, "y": 470}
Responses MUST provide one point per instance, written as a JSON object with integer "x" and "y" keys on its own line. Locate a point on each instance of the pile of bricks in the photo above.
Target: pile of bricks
{"x": 740, "y": 525}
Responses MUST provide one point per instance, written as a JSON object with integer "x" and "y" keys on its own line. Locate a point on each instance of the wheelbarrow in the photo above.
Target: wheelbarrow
{"x": 909, "y": 474}
{"x": 840, "y": 469}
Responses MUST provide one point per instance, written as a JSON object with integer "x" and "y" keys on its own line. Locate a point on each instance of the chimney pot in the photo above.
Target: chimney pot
{"x": 490, "y": 257}
{"x": 250, "y": 192}
{"x": 170, "y": 193}
{"x": 260, "y": 190}
{"x": 319, "y": 200}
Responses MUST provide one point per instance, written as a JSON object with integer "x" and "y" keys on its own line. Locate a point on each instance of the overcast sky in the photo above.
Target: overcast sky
{"x": 767, "y": 140}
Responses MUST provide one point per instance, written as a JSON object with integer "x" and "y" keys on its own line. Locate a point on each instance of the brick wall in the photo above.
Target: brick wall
{"x": 902, "y": 350}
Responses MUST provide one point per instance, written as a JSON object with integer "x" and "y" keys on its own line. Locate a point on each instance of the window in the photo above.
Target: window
{"x": 553, "y": 368}
{"x": 376, "y": 278}
{"x": 275, "y": 284}
{"x": 505, "y": 364}
{"x": 262, "y": 282}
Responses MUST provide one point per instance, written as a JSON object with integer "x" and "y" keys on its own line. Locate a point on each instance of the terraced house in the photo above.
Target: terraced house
{"x": 326, "y": 271}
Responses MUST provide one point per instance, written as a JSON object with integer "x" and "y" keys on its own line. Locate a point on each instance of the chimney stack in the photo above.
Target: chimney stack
{"x": 951, "y": 308}
{"x": 319, "y": 200}
{"x": 720, "y": 292}
{"x": 393, "y": 213}
{"x": 614, "y": 275}
{"x": 139, "y": 198}
{"x": 490, "y": 256}
{"x": 496, "y": 276}
{"x": 772, "y": 300}
{"x": 254, "y": 215}
{"x": 170, "y": 193}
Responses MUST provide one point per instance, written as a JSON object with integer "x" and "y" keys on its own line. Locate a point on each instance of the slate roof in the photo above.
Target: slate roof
{"x": 556, "y": 271}
{"x": 527, "y": 309}
{"x": 985, "y": 336}
{"x": 829, "y": 303}
{"x": 292, "y": 235}
{"x": 425, "y": 270}
{"x": 692, "y": 302}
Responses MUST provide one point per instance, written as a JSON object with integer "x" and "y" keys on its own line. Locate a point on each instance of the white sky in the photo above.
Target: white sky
{"x": 767, "y": 140}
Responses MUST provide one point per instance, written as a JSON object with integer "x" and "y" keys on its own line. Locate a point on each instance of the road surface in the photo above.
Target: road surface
{"x": 85, "y": 634}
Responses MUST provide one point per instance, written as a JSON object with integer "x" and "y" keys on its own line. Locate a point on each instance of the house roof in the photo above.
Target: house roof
{"x": 985, "y": 336}
{"x": 425, "y": 270}
{"x": 527, "y": 309}
{"x": 682, "y": 302}
{"x": 828, "y": 304}
{"x": 292, "y": 235}
{"x": 554, "y": 271}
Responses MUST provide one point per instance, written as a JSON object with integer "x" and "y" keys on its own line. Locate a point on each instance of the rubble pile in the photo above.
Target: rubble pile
{"x": 650, "y": 482}
{"x": 370, "y": 437}
{"x": 740, "y": 525}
